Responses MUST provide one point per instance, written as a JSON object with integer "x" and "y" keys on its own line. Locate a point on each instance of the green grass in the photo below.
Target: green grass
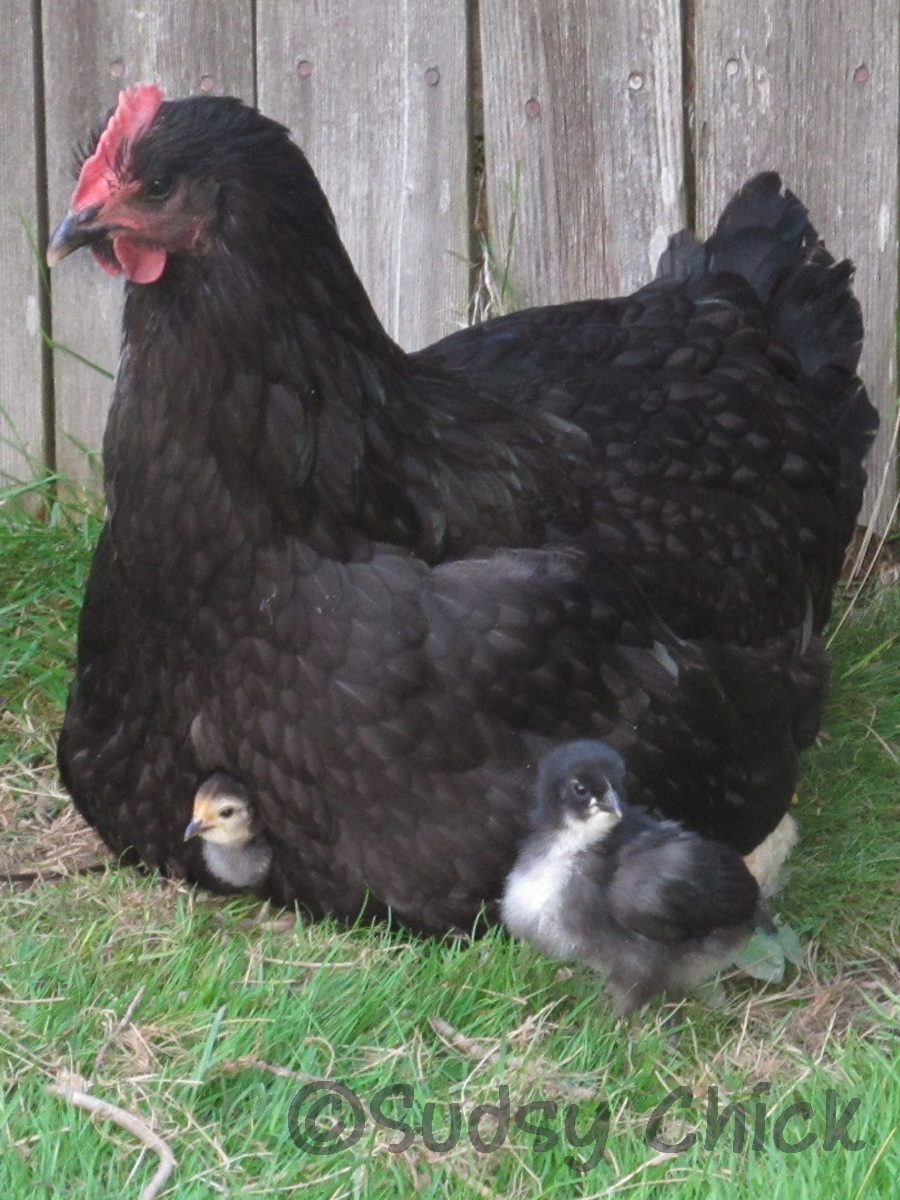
{"x": 43, "y": 570}
{"x": 237, "y": 1009}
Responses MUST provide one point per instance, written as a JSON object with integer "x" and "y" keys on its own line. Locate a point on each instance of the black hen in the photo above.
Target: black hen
{"x": 376, "y": 587}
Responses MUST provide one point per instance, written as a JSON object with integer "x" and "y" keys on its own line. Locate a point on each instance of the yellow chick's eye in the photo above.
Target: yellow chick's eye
{"x": 226, "y": 812}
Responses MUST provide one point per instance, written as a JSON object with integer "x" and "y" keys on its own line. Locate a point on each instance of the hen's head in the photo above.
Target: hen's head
{"x": 166, "y": 178}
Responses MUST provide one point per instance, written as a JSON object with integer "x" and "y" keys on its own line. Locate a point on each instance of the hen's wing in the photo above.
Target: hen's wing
{"x": 715, "y": 476}
{"x": 728, "y": 424}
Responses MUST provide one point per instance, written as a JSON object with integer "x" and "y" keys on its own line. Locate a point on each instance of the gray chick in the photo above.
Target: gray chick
{"x": 646, "y": 902}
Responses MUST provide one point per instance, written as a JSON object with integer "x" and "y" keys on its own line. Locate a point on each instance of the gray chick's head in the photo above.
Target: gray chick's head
{"x": 580, "y": 784}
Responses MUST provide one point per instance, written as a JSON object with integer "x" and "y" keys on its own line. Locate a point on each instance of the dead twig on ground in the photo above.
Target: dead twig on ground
{"x": 73, "y": 1090}
{"x": 247, "y": 1062}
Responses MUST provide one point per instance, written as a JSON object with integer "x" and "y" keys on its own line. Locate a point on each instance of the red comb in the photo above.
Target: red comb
{"x": 134, "y": 114}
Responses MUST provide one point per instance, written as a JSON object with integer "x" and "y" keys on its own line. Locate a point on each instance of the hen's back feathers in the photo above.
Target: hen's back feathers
{"x": 723, "y": 402}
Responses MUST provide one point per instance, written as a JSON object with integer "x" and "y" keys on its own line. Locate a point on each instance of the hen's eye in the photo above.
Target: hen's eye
{"x": 226, "y": 812}
{"x": 157, "y": 189}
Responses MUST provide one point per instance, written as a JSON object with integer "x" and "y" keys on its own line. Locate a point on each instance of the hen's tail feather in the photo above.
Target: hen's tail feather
{"x": 765, "y": 236}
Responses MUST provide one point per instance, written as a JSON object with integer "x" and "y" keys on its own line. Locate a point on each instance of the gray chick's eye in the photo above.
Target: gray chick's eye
{"x": 576, "y": 792}
{"x": 226, "y": 812}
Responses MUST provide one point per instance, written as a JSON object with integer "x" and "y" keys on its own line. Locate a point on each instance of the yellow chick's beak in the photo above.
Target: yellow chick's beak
{"x": 196, "y": 826}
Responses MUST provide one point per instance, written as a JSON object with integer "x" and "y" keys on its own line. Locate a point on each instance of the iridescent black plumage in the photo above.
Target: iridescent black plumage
{"x": 376, "y": 587}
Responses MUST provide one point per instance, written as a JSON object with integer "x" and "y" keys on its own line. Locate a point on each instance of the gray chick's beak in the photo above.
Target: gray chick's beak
{"x": 75, "y": 231}
{"x": 197, "y": 825}
{"x": 612, "y": 801}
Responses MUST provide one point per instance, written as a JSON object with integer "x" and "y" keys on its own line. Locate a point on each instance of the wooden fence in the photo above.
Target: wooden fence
{"x": 600, "y": 126}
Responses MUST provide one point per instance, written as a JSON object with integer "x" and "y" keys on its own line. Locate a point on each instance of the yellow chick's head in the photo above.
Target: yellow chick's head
{"x": 222, "y": 812}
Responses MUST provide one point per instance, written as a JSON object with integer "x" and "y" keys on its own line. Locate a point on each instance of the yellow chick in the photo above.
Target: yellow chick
{"x": 234, "y": 848}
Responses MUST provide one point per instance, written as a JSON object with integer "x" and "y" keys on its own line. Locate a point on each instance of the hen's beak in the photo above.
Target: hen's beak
{"x": 197, "y": 825}
{"x": 77, "y": 230}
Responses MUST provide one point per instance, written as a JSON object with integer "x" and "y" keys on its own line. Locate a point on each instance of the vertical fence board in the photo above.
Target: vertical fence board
{"x": 584, "y": 142}
{"x": 810, "y": 88}
{"x": 21, "y": 418}
{"x": 92, "y": 48}
{"x": 376, "y": 94}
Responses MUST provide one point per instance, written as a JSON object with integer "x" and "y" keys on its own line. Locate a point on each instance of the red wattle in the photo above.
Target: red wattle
{"x": 141, "y": 264}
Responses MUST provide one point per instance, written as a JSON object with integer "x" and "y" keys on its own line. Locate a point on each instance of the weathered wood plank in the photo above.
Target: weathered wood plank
{"x": 810, "y": 88}
{"x": 21, "y": 381}
{"x": 92, "y": 48}
{"x": 376, "y": 95}
{"x": 584, "y": 141}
